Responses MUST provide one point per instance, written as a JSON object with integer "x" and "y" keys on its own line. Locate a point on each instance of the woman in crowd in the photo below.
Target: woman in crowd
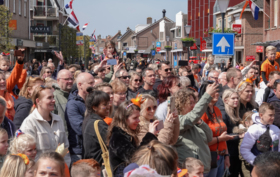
{"x": 246, "y": 92}
{"x": 35, "y": 69}
{"x": 159, "y": 156}
{"x": 24, "y": 104}
{"x": 232, "y": 120}
{"x": 213, "y": 118}
{"x": 120, "y": 92}
{"x": 97, "y": 108}
{"x": 46, "y": 72}
{"x": 7, "y": 86}
{"x": 122, "y": 136}
{"x": 194, "y": 133}
{"x": 169, "y": 134}
{"x": 134, "y": 84}
{"x": 47, "y": 128}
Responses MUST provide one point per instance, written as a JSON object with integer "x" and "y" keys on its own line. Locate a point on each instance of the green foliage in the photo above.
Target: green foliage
{"x": 188, "y": 39}
{"x": 5, "y": 30}
{"x": 168, "y": 47}
{"x": 136, "y": 50}
{"x": 219, "y": 30}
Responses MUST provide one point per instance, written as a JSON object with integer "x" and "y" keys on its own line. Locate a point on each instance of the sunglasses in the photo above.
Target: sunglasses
{"x": 168, "y": 69}
{"x": 137, "y": 80}
{"x": 124, "y": 77}
{"x": 151, "y": 108}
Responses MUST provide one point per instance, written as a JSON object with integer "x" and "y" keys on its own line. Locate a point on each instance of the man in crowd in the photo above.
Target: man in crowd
{"x": 61, "y": 93}
{"x": 274, "y": 99}
{"x": 222, "y": 79}
{"x": 44, "y": 64}
{"x": 154, "y": 66}
{"x": 149, "y": 79}
{"x": 97, "y": 80}
{"x": 273, "y": 76}
{"x": 73, "y": 68}
{"x": 139, "y": 70}
{"x": 123, "y": 76}
{"x": 164, "y": 70}
{"x": 267, "y": 165}
{"x": 214, "y": 76}
{"x": 74, "y": 115}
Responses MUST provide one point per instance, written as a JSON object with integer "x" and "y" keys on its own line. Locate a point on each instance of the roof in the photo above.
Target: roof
{"x": 126, "y": 33}
{"x": 259, "y": 3}
{"x": 153, "y": 24}
{"x": 116, "y": 35}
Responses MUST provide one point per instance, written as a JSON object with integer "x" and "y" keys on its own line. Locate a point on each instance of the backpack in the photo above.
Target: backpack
{"x": 264, "y": 142}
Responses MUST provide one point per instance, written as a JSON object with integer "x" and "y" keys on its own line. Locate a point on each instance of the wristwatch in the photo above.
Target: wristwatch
{"x": 227, "y": 155}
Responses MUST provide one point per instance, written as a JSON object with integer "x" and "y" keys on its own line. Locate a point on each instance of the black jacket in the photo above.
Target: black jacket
{"x": 158, "y": 81}
{"x": 9, "y": 126}
{"x": 234, "y": 143}
{"x": 130, "y": 94}
{"x": 122, "y": 146}
{"x": 272, "y": 99}
{"x": 92, "y": 149}
{"x": 22, "y": 109}
{"x": 243, "y": 110}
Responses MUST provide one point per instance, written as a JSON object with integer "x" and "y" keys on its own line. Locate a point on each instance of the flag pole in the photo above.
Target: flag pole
{"x": 66, "y": 20}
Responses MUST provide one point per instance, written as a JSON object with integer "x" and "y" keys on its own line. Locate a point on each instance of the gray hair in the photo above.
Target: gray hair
{"x": 147, "y": 69}
{"x": 118, "y": 73}
{"x": 211, "y": 73}
{"x": 154, "y": 66}
{"x": 185, "y": 81}
{"x": 220, "y": 75}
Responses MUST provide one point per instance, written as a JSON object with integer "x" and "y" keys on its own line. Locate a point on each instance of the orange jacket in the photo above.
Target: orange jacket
{"x": 13, "y": 79}
{"x": 21, "y": 81}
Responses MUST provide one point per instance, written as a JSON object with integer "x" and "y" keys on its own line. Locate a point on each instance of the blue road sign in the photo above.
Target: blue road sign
{"x": 158, "y": 44}
{"x": 153, "y": 52}
{"x": 124, "y": 54}
{"x": 223, "y": 43}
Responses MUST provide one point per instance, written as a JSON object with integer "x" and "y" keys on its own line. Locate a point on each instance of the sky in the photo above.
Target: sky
{"x": 109, "y": 16}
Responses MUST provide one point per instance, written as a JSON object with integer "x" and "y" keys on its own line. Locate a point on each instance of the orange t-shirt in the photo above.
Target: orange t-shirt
{"x": 218, "y": 127}
{"x": 267, "y": 67}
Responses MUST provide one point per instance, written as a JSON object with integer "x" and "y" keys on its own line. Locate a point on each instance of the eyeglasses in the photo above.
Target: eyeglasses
{"x": 151, "y": 108}
{"x": 124, "y": 77}
{"x": 49, "y": 72}
{"x": 121, "y": 94}
{"x": 137, "y": 80}
{"x": 67, "y": 79}
{"x": 168, "y": 69}
{"x": 214, "y": 78}
{"x": 257, "y": 73}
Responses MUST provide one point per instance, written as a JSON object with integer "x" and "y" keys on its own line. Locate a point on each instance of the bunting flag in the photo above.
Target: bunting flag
{"x": 93, "y": 36}
{"x": 254, "y": 9}
{"x": 73, "y": 19}
{"x": 69, "y": 5}
{"x": 85, "y": 26}
{"x": 78, "y": 28}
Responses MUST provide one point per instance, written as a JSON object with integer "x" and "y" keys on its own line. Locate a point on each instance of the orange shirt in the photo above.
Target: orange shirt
{"x": 267, "y": 67}
{"x": 196, "y": 77}
{"x": 217, "y": 127}
{"x": 241, "y": 67}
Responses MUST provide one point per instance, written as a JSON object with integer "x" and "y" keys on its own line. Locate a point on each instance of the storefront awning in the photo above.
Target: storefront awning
{"x": 177, "y": 50}
{"x": 238, "y": 47}
{"x": 207, "y": 50}
{"x": 162, "y": 51}
{"x": 267, "y": 43}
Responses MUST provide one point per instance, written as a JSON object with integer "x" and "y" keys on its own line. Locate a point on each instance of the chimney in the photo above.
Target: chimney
{"x": 149, "y": 20}
{"x": 163, "y": 13}
{"x": 155, "y": 20}
{"x": 127, "y": 28}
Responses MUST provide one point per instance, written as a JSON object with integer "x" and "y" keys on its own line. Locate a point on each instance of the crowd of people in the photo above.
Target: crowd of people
{"x": 143, "y": 119}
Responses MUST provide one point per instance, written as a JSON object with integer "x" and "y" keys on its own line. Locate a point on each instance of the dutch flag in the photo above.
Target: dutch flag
{"x": 73, "y": 19}
{"x": 85, "y": 26}
{"x": 255, "y": 9}
{"x": 69, "y": 5}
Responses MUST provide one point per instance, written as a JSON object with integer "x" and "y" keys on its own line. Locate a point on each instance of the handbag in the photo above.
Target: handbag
{"x": 105, "y": 152}
{"x": 214, "y": 158}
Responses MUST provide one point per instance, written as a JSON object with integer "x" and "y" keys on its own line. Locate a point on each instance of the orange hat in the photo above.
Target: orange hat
{"x": 181, "y": 172}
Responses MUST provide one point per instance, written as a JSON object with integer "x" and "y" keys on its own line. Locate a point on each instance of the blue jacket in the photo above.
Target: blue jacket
{"x": 74, "y": 116}
{"x": 9, "y": 126}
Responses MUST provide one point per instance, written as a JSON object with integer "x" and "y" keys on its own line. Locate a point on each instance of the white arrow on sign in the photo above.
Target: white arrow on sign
{"x": 223, "y": 44}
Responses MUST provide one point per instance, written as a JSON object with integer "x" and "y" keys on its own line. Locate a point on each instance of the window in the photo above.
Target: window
{"x": 24, "y": 8}
{"x": 161, "y": 36}
{"x": 19, "y": 7}
{"x": 14, "y": 6}
{"x": 124, "y": 44}
{"x": 229, "y": 22}
{"x": 7, "y": 3}
{"x": 179, "y": 31}
{"x": 220, "y": 23}
{"x": 275, "y": 12}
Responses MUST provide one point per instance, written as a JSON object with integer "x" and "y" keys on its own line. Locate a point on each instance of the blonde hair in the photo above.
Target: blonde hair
{"x": 49, "y": 82}
{"x": 191, "y": 162}
{"x": 233, "y": 113}
{"x": 181, "y": 98}
{"x": 30, "y": 82}
{"x": 21, "y": 143}
{"x": 118, "y": 86}
{"x": 52, "y": 156}
{"x": 270, "y": 49}
{"x": 144, "y": 105}
{"x": 14, "y": 166}
{"x": 242, "y": 86}
{"x": 132, "y": 75}
{"x": 84, "y": 167}
{"x": 37, "y": 94}
{"x": 43, "y": 70}
{"x": 207, "y": 65}
{"x": 3, "y": 132}
{"x": 76, "y": 74}
{"x": 246, "y": 117}
{"x": 266, "y": 106}
{"x": 159, "y": 156}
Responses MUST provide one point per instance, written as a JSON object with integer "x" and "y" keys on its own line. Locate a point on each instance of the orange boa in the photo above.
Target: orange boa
{"x": 10, "y": 112}
{"x": 108, "y": 120}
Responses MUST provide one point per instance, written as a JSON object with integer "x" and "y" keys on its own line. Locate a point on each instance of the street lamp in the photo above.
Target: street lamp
{"x": 223, "y": 5}
{"x": 188, "y": 30}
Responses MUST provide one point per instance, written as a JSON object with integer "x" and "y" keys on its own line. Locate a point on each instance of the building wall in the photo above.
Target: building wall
{"x": 22, "y": 31}
{"x": 270, "y": 31}
{"x": 146, "y": 38}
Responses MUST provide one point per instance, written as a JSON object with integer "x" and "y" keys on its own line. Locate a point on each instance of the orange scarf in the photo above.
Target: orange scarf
{"x": 10, "y": 112}
{"x": 108, "y": 120}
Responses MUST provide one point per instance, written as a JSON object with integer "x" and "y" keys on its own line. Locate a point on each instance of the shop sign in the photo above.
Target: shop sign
{"x": 40, "y": 29}
{"x": 221, "y": 58}
{"x": 237, "y": 28}
{"x": 259, "y": 49}
{"x": 250, "y": 58}
{"x": 13, "y": 24}
{"x": 194, "y": 47}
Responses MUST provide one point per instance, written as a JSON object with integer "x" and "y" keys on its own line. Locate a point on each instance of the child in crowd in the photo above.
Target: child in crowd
{"x": 4, "y": 65}
{"x": 15, "y": 165}
{"x": 269, "y": 64}
{"x": 110, "y": 50}
{"x": 23, "y": 143}
{"x": 209, "y": 65}
{"x": 30, "y": 169}
{"x": 49, "y": 164}
{"x": 3, "y": 145}
{"x": 194, "y": 166}
{"x": 261, "y": 137}
{"x": 86, "y": 168}
{"x": 243, "y": 127}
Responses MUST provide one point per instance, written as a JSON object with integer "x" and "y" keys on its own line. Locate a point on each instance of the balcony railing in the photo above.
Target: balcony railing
{"x": 51, "y": 39}
{"x": 45, "y": 12}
